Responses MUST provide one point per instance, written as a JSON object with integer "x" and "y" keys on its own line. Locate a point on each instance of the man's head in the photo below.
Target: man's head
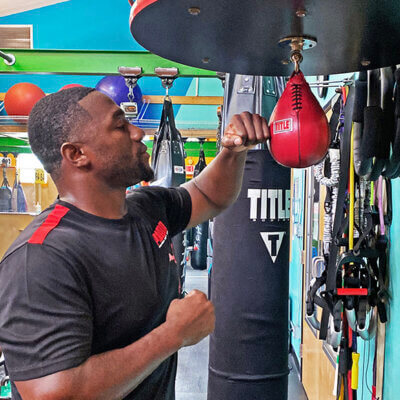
{"x": 53, "y": 121}
{"x": 85, "y": 131}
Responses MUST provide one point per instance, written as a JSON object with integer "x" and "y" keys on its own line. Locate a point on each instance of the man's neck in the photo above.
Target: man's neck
{"x": 104, "y": 202}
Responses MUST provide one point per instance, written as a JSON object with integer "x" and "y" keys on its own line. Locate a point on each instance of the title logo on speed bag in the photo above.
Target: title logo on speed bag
{"x": 284, "y": 125}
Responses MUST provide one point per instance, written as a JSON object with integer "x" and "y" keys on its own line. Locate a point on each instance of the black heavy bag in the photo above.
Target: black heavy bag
{"x": 5, "y": 195}
{"x": 168, "y": 152}
{"x": 250, "y": 287}
{"x": 168, "y": 162}
{"x": 200, "y": 232}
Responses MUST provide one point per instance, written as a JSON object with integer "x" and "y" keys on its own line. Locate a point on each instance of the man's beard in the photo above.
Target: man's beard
{"x": 128, "y": 176}
{"x": 147, "y": 173}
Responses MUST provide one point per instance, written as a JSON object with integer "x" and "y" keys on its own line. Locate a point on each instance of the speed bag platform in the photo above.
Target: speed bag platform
{"x": 250, "y": 287}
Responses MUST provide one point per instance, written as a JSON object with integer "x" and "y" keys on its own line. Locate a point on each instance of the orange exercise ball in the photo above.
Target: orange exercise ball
{"x": 20, "y": 98}
{"x": 71, "y": 85}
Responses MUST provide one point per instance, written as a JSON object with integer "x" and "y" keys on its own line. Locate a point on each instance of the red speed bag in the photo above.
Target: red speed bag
{"x": 299, "y": 130}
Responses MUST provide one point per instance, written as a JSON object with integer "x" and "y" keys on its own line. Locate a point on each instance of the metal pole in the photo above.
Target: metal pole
{"x": 9, "y": 59}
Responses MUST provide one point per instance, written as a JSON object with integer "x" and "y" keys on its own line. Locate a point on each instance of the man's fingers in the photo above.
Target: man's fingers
{"x": 196, "y": 292}
{"x": 245, "y": 129}
{"x": 238, "y": 141}
{"x": 265, "y": 129}
{"x": 248, "y": 123}
{"x": 257, "y": 121}
{"x": 230, "y": 140}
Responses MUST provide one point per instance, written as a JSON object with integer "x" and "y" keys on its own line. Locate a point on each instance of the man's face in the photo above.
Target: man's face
{"x": 117, "y": 153}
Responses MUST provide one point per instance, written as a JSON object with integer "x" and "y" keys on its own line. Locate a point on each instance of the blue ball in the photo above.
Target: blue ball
{"x": 114, "y": 86}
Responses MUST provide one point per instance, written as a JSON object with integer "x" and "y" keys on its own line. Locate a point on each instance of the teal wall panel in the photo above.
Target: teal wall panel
{"x": 79, "y": 25}
{"x": 392, "y": 352}
{"x": 104, "y": 25}
{"x": 365, "y": 372}
{"x": 295, "y": 266}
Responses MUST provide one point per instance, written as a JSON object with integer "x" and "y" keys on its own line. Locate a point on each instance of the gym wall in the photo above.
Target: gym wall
{"x": 71, "y": 25}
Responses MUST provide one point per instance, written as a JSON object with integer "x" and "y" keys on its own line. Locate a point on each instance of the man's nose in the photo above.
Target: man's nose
{"x": 137, "y": 133}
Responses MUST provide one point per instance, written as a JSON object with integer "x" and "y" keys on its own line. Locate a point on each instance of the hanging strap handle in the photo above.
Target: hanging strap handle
{"x": 175, "y": 135}
{"x": 5, "y": 180}
{"x": 164, "y": 118}
{"x": 169, "y": 112}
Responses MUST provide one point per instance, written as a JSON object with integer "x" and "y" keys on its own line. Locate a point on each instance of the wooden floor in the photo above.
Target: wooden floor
{"x": 192, "y": 376}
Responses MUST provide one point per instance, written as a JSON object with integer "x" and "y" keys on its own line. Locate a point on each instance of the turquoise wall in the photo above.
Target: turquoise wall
{"x": 79, "y": 25}
{"x": 295, "y": 266}
{"x": 392, "y": 354}
{"x": 104, "y": 25}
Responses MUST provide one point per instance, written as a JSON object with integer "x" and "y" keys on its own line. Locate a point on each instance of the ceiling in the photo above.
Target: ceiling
{"x": 254, "y": 37}
{"x": 9, "y": 7}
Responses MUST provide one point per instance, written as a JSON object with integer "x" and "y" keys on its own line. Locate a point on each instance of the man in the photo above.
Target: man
{"x": 88, "y": 294}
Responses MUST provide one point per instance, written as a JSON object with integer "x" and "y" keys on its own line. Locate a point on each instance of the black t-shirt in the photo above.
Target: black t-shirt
{"x": 73, "y": 285}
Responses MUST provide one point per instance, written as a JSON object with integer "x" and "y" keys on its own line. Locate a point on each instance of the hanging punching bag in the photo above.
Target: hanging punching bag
{"x": 200, "y": 232}
{"x": 250, "y": 272}
{"x": 168, "y": 156}
{"x": 5, "y": 194}
{"x": 168, "y": 162}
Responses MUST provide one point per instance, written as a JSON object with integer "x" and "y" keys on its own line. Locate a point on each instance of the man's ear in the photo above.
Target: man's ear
{"x": 73, "y": 154}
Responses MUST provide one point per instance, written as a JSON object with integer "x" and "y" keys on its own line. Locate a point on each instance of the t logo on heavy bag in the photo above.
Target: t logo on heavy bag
{"x": 299, "y": 129}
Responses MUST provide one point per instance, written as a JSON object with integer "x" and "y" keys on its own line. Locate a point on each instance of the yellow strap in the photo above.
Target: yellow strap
{"x": 354, "y": 370}
{"x": 372, "y": 198}
{"x": 341, "y": 397}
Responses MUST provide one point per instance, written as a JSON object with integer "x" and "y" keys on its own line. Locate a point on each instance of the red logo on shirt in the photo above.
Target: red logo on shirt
{"x": 160, "y": 234}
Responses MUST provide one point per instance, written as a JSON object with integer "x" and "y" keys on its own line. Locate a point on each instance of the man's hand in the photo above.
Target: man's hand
{"x": 244, "y": 131}
{"x": 114, "y": 374}
{"x": 192, "y": 318}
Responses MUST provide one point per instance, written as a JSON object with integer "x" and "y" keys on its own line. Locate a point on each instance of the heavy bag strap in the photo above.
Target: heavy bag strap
{"x": 343, "y": 180}
{"x": 334, "y": 124}
{"x": 201, "y": 164}
{"x": 165, "y": 118}
{"x": 5, "y": 183}
{"x": 168, "y": 114}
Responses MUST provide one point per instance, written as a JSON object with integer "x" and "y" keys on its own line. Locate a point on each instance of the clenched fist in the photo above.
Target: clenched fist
{"x": 192, "y": 318}
{"x": 244, "y": 131}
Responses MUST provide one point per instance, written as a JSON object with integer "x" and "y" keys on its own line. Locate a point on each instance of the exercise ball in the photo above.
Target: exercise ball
{"x": 20, "y": 98}
{"x": 71, "y": 85}
{"x": 114, "y": 86}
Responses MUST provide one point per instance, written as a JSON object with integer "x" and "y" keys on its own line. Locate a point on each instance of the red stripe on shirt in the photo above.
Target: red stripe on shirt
{"x": 52, "y": 220}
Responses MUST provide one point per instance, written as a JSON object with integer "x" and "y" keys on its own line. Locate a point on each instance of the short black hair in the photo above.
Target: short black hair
{"x": 51, "y": 123}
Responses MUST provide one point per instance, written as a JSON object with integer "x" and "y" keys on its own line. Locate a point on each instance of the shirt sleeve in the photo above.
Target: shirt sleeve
{"x": 175, "y": 203}
{"x": 45, "y": 313}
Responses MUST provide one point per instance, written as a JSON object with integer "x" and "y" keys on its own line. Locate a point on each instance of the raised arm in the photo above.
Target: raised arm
{"x": 115, "y": 374}
{"x": 219, "y": 183}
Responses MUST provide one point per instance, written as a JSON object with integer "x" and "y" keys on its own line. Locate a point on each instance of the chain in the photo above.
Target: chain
{"x": 131, "y": 83}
